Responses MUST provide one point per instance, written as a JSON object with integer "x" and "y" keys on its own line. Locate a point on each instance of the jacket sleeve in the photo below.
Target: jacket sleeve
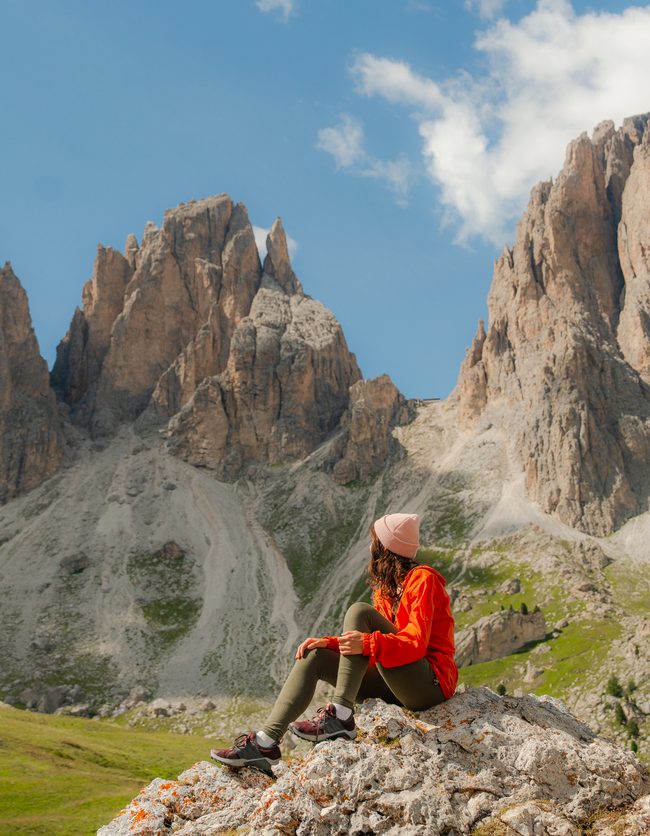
{"x": 332, "y": 643}
{"x": 410, "y": 643}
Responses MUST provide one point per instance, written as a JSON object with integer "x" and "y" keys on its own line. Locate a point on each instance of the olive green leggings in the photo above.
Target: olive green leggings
{"x": 413, "y": 686}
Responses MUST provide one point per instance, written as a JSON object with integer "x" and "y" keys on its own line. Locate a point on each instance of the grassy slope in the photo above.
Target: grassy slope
{"x": 69, "y": 775}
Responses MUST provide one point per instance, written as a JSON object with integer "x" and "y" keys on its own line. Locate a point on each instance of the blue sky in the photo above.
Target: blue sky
{"x": 397, "y": 139}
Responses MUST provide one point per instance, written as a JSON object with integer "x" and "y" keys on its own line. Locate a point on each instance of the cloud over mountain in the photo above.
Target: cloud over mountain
{"x": 488, "y": 138}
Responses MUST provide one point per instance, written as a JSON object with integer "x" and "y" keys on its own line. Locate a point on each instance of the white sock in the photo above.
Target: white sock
{"x": 262, "y": 739}
{"x": 342, "y": 711}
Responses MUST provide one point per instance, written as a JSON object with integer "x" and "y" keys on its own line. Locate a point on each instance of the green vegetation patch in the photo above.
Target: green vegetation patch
{"x": 480, "y": 585}
{"x": 167, "y": 592}
{"x": 309, "y": 566}
{"x": 630, "y": 586}
{"x": 453, "y": 522}
{"x": 69, "y": 775}
{"x": 441, "y": 560}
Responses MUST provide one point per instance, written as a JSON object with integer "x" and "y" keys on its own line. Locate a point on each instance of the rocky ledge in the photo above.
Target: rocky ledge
{"x": 479, "y": 763}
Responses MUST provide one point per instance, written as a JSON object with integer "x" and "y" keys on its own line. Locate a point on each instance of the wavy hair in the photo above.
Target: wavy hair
{"x": 387, "y": 570}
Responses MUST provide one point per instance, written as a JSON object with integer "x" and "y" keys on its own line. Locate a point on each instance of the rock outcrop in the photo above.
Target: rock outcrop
{"x": 564, "y": 365}
{"x": 190, "y": 328}
{"x": 497, "y": 635}
{"x": 376, "y": 406}
{"x": 521, "y": 765}
{"x": 30, "y": 427}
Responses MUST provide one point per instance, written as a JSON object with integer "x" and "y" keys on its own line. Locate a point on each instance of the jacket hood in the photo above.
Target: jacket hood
{"x": 429, "y": 569}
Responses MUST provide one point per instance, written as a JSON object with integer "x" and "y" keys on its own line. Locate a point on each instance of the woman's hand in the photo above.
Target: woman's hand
{"x": 351, "y": 643}
{"x": 309, "y": 644}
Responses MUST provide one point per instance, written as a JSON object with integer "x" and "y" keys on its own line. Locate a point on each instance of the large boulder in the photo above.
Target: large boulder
{"x": 376, "y": 407}
{"x": 506, "y": 762}
{"x": 497, "y": 635}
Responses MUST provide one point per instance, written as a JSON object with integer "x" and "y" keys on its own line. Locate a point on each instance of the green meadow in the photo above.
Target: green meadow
{"x": 68, "y": 776}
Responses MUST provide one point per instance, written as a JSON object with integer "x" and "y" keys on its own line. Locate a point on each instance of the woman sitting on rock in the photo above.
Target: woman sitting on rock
{"x": 400, "y": 650}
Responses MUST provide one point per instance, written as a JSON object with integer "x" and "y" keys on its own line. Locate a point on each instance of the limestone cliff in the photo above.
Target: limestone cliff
{"x": 30, "y": 428}
{"x": 376, "y": 406}
{"x": 564, "y": 365}
{"x": 190, "y": 328}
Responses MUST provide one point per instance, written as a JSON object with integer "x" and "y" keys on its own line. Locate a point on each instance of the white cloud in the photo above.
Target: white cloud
{"x": 486, "y": 8}
{"x": 285, "y": 7}
{"x": 395, "y": 81}
{"x": 260, "y": 233}
{"x": 487, "y": 140}
{"x": 345, "y": 142}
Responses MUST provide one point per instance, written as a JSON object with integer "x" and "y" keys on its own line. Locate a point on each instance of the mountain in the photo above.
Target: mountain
{"x": 190, "y": 325}
{"x": 565, "y": 361}
{"x": 221, "y": 460}
{"x": 190, "y": 360}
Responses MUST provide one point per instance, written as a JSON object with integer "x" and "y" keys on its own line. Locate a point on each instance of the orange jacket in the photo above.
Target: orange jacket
{"x": 425, "y": 628}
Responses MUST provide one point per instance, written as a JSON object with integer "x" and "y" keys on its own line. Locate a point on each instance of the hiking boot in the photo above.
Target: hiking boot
{"x": 247, "y": 752}
{"x": 325, "y": 726}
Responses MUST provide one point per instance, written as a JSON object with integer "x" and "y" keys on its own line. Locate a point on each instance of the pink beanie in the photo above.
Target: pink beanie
{"x": 400, "y": 533}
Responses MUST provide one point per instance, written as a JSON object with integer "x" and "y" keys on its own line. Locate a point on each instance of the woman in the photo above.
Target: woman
{"x": 400, "y": 650}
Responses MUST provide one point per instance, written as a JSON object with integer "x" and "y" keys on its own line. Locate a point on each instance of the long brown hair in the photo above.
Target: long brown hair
{"x": 387, "y": 570}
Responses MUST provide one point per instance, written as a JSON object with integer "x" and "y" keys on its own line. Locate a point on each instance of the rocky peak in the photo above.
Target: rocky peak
{"x": 277, "y": 263}
{"x": 157, "y": 297}
{"x": 81, "y": 354}
{"x": 189, "y": 328}
{"x": 30, "y": 427}
{"x": 564, "y": 364}
{"x": 366, "y": 442}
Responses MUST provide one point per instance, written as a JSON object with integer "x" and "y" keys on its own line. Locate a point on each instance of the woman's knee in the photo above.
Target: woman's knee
{"x": 357, "y": 616}
{"x": 314, "y": 656}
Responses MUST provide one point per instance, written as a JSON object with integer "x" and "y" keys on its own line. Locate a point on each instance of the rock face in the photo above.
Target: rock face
{"x": 517, "y": 765}
{"x": 376, "y": 406}
{"x": 189, "y": 327}
{"x": 30, "y": 427}
{"x": 564, "y": 365}
{"x": 497, "y": 635}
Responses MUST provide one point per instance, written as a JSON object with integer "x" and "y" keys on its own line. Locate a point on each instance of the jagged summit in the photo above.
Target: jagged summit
{"x": 565, "y": 364}
{"x": 189, "y": 326}
{"x": 277, "y": 262}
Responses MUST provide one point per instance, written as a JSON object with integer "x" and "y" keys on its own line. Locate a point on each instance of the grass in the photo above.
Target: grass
{"x": 573, "y": 657}
{"x": 65, "y": 776}
{"x": 630, "y": 587}
{"x": 535, "y": 589}
{"x": 171, "y": 619}
{"x": 440, "y": 560}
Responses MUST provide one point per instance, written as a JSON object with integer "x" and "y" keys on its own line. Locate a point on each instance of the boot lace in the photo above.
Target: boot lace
{"x": 321, "y": 716}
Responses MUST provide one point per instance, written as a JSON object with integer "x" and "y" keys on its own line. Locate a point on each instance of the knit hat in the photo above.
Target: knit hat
{"x": 399, "y": 533}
